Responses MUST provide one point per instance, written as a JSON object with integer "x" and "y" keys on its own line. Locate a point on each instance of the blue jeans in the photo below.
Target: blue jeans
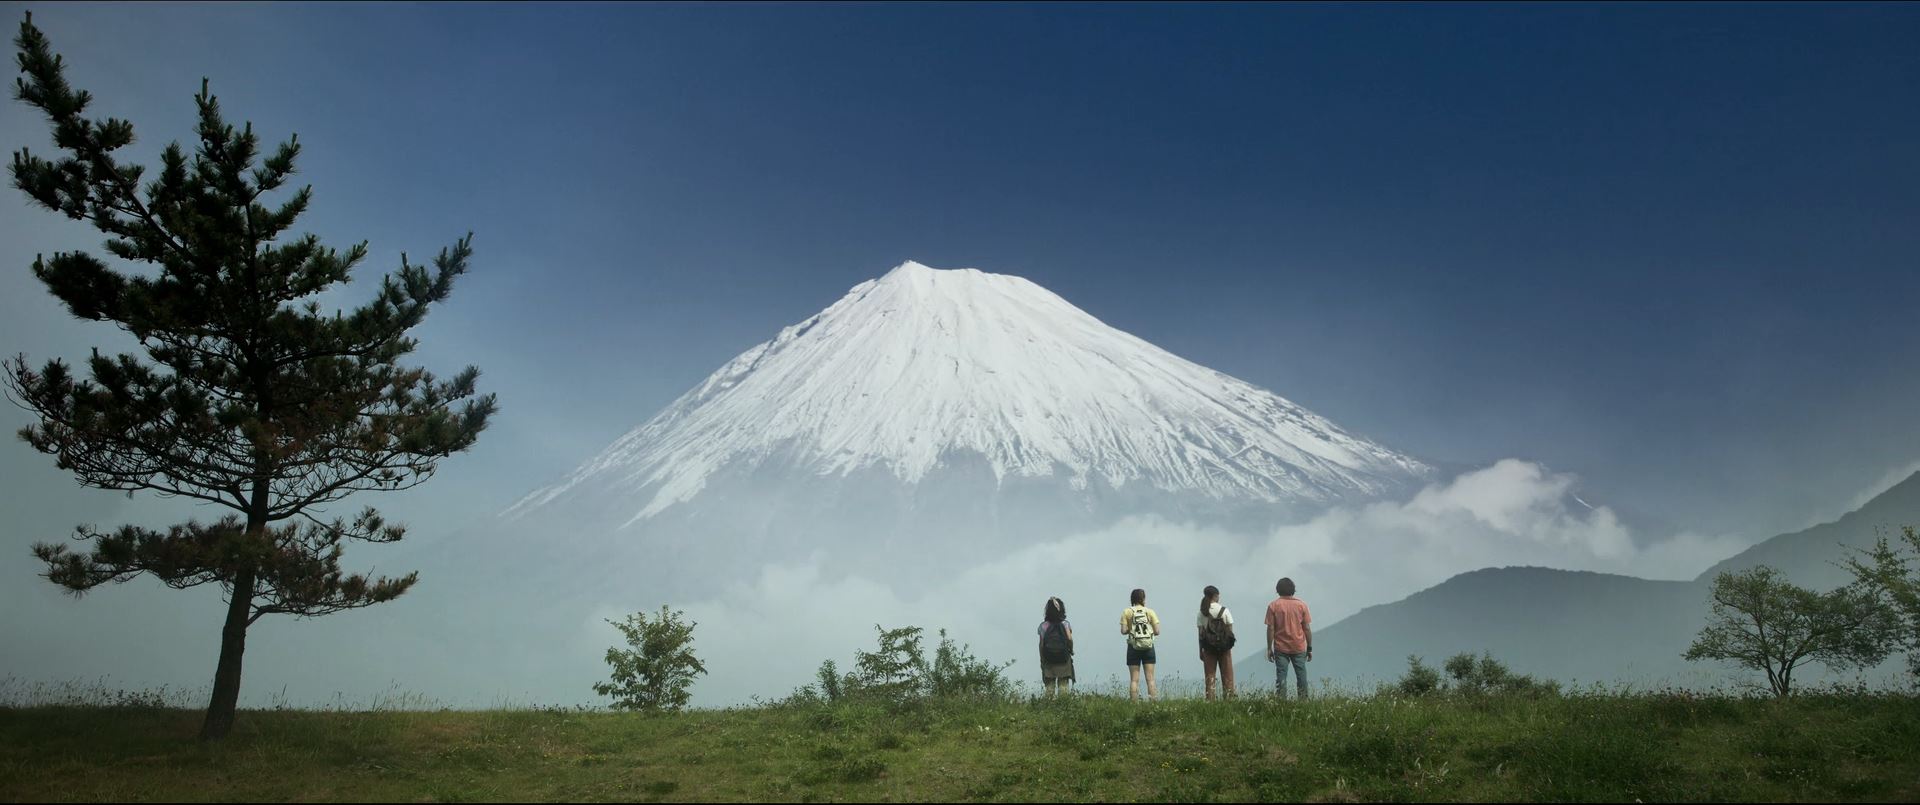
{"x": 1280, "y": 663}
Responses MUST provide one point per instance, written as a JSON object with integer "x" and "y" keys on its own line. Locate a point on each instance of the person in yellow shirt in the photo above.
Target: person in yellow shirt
{"x": 1140, "y": 625}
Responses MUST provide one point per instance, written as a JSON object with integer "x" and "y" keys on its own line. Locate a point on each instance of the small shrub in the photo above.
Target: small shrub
{"x": 829, "y": 680}
{"x": 898, "y": 673}
{"x": 1419, "y": 680}
{"x": 957, "y": 673}
{"x": 1485, "y": 674}
{"x": 1471, "y": 676}
{"x": 656, "y": 673}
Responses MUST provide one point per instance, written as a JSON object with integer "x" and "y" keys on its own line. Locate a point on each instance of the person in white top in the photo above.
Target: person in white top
{"x": 1215, "y": 625}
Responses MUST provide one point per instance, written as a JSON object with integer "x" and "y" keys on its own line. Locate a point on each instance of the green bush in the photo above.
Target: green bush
{"x": 1419, "y": 680}
{"x": 1471, "y": 676}
{"x": 957, "y": 673}
{"x": 656, "y": 673}
{"x": 898, "y": 671}
{"x": 1485, "y": 674}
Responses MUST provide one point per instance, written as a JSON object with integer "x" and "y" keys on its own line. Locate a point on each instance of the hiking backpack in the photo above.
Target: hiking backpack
{"x": 1139, "y": 629}
{"x": 1217, "y": 635}
{"x": 1055, "y": 646}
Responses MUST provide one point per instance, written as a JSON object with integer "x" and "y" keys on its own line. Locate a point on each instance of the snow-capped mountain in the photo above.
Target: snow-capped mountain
{"x": 909, "y": 370}
{"x": 931, "y": 415}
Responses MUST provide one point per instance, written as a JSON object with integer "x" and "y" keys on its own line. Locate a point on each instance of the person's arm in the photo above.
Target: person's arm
{"x": 1156, "y": 622}
{"x": 1123, "y": 620}
{"x": 1307, "y": 626}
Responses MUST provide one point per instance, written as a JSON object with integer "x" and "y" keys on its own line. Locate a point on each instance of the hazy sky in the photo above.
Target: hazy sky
{"x": 1671, "y": 250}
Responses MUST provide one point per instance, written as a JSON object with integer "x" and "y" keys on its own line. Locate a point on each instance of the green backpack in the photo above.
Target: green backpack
{"x": 1139, "y": 629}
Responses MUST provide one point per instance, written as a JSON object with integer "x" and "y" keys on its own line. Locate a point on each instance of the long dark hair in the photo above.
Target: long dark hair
{"x": 1138, "y": 597}
{"x": 1056, "y": 610}
{"x": 1206, "y": 597}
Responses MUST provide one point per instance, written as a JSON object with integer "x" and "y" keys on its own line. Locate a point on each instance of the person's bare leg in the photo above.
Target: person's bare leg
{"x": 1153, "y": 693}
{"x": 1226, "y": 673}
{"x": 1133, "y": 682}
{"x": 1209, "y": 665}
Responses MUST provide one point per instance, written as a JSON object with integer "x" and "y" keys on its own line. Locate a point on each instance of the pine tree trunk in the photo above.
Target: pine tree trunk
{"x": 226, "y": 676}
{"x": 233, "y": 635}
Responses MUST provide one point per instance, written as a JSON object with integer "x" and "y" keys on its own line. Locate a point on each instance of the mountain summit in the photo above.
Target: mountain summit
{"x": 924, "y": 370}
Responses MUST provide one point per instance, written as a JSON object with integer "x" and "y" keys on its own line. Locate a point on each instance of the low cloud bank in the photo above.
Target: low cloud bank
{"x": 766, "y": 633}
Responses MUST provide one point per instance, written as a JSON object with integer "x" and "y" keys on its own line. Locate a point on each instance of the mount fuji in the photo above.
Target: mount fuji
{"x": 930, "y": 415}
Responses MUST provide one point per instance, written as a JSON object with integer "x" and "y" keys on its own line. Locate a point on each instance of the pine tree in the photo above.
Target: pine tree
{"x": 249, "y": 397}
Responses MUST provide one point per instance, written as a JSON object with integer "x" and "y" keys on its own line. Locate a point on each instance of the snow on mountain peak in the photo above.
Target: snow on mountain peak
{"x": 921, "y": 365}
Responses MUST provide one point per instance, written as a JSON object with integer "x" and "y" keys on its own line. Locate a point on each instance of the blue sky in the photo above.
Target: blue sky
{"x": 1671, "y": 249}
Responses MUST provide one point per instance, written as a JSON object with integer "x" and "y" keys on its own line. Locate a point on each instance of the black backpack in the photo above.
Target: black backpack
{"x": 1216, "y": 635}
{"x": 1055, "y": 646}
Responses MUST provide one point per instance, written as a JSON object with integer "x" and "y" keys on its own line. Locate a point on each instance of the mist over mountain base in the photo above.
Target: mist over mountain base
{"x": 501, "y": 626}
{"x": 1385, "y": 579}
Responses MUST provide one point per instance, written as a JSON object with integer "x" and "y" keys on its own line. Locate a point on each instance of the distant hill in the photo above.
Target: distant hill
{"x": 1590, "y": 627}
{"x": 1808, "y": 556}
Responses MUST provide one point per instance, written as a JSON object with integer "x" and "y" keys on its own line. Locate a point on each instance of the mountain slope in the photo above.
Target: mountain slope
{"x": 1811, "y": 556}
{"x": 1590, "y": 626}
{"x": 1567, "y": 625}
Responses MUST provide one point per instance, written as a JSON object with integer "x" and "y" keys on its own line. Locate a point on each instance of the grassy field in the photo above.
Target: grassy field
{"x": 1652, "y": 747}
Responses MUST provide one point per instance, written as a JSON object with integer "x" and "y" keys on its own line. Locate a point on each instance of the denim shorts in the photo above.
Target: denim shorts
{"x": 1137, "y": 656}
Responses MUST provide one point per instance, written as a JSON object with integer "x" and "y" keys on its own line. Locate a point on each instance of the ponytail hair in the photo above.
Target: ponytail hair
{"x": 1206, "y": 597}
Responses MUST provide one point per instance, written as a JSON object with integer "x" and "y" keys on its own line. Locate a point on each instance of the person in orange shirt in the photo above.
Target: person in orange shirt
{"x": 1289, "y": 638}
